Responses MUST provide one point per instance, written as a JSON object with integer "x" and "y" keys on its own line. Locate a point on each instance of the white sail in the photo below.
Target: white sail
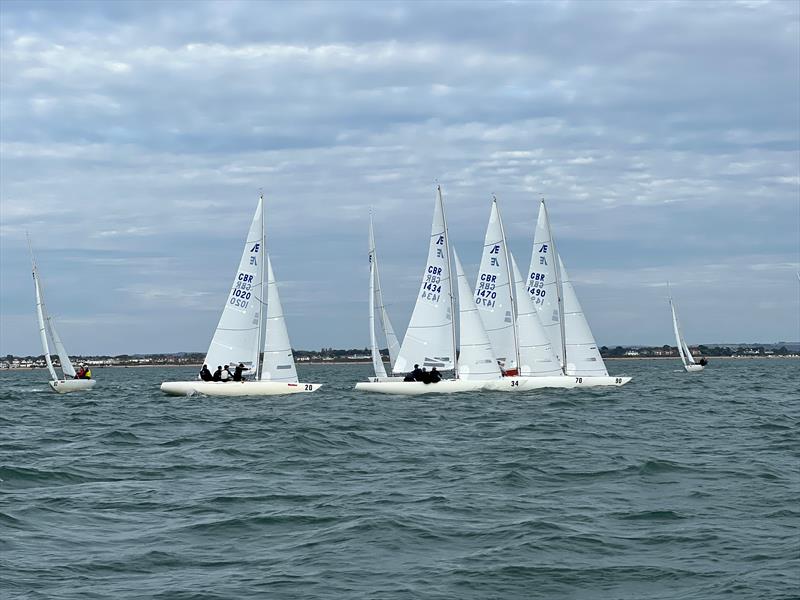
{"x": 278, "y": 362}
{"x": 494, "y": 295}
{"x": 40, "y": 318}
{"x": 536, "y": 355}
{"x": 429, "y": 339}
{"x": 541, "y": 284}
{"x": 559, "y": 310}
{"x": 688, "y": 352}
{"x": 374, "y": 291}
{"x": 678, "y": 339}
{"x": 476, "y": 359}
{"x": 63, "y": 357}
{"x": 583, "y": 356}
{"x": 388, "y": 331}
{"x": 236, "y": 337}
{"x": 377, "y": 360}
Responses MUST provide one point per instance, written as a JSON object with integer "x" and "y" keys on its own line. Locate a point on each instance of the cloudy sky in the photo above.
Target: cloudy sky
{"x": 135, "y": 138}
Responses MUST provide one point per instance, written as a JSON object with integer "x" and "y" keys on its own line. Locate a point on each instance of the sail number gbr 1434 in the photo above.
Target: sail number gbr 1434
{"x": 432, "y": 284}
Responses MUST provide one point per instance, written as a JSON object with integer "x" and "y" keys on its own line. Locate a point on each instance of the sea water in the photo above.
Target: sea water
{"x": 675, "y": 486}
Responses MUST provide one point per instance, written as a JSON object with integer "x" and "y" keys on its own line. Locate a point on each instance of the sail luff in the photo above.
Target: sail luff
{"x": 260, "y": 338}
{"x": 377, "y": 360}
{"x": 278, "y": 364}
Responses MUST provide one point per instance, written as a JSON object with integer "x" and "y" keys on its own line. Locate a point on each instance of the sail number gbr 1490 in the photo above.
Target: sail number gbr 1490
{"x": 432, "y": 284}
{"x": 241, "y": 294}
{"x": 536, "y": 287}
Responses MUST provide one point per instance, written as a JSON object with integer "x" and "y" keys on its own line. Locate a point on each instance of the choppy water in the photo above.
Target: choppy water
{"x": 675, "y": 486}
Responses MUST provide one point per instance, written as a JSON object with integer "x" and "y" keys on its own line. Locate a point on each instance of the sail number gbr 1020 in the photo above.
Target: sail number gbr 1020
{"x": 241, "y": 294}
{"x": 432, "y": 284}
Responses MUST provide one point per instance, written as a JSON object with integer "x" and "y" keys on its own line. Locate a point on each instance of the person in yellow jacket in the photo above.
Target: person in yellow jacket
{"x": 83, "y": 373}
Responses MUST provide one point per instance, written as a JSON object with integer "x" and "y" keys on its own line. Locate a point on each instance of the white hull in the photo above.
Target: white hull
{"x": 561, "y": 381}
{"x": 64, "y": 386}
{"x": 236, "y": 388}
{"x": 416, "y": 388}
{"x": 693, "y": 368}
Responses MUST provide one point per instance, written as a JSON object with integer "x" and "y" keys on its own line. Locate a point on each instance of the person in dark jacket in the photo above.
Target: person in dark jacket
{"x": 237, "y": 372}
{"x": 205, "y": 374}
{"x": 435, "y": 376}
{"x": 217, "y": 374}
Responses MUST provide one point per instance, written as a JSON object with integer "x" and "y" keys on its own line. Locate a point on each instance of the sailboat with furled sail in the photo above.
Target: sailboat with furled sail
{"x": 376, "y": 304}
{"x": 47, "y": 328}
{"x": 430, "y": 339}
{"x": 245, "y": 328}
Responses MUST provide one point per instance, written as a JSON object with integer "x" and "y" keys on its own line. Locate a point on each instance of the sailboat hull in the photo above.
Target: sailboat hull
{"x": 515, "y": 384}
{"x": 417, "y": 388}
{"x": 236, "y": 388}
{"x": 693, "y": 368}
{"x": 65, "y": 386}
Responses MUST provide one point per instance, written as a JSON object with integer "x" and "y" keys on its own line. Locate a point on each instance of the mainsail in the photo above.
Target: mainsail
{"x": 476, "y": 359}
{"x": 40, "y": 318}
{"x": 278, "y": 362}
{"x": 559, "y": 310}
{"x": 236, "y": 339}
{"x": 430, "y": 337}
{"x": 683, "y": 349}
{"x": 493, "y": 293}
{"x": 536, "y": 354}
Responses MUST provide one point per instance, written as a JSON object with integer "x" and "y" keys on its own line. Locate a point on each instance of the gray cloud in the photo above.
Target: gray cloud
{"x": 133, "y": 144}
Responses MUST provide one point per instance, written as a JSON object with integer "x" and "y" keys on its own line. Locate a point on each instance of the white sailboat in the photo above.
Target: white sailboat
{"x": 562, "y": 320}
{"x": 67, "y": 383}
{"x": 376, "y": 303}
{"x": 430, "y": 338}
{"x": 244, "y": 329}
{"x": 687, "y": 359}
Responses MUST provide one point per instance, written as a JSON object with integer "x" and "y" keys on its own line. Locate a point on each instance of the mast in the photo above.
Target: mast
{"x": 450, "y": 278}
{"x": 377, "y": 360}
{"x": 262, "y": 300}
{"x": 559, "y": 291}
{"x": 40, "y": 313}
{"x": 511, "y": 284}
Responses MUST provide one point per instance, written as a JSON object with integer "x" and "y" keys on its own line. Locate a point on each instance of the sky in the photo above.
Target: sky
{"x": 135, "y": 138}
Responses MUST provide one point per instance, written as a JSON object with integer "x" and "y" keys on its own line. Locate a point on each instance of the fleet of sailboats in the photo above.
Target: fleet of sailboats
{"x": 47, "y": 328}
{"x": 511, "y": 332}
{"x": 249, "y": 324}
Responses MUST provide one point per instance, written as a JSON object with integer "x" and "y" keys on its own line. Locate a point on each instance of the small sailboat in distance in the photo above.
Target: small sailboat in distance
{"x": 687, "y": 359}
{"x": 244, "y": 330}
{"x": 67, "y": 383}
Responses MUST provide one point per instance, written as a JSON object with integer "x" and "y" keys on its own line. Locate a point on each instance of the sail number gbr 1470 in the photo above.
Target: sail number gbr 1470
{"x": 432, "y": 284}
{"x": 241, "y": 293}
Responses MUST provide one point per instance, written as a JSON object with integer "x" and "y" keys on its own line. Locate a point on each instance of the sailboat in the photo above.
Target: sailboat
{"x": 430, "y": 339}
{"x": 686, "y": 356}
{"x": 245, "y": 328}
{"x": 561, "y": 317}
{"x": 47, "y": 326}
{"x": 376, "y": 304}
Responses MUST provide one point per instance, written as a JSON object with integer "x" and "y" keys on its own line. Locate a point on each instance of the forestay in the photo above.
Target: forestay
{"x": 236, "y": 338}
{"x": 476, "y": 359}
{"x": 429, "y": 339}
{"x": 493, "y": 293}
{"x": 536, "y": 354}
{"x": 278, "y": 362}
